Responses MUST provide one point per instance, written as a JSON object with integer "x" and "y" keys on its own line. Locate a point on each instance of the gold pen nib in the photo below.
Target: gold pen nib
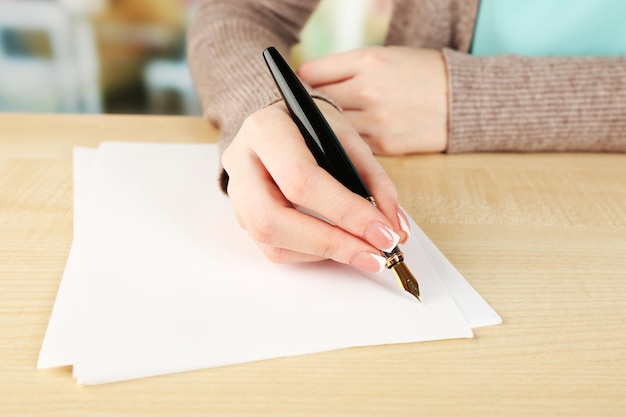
{"x": 395, "y": 262}
{"x": 405, "y": 277}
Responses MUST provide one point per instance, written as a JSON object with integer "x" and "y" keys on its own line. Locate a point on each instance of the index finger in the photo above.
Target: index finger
{"x": 329, "y": 69}
{"x": 375, "y": 178}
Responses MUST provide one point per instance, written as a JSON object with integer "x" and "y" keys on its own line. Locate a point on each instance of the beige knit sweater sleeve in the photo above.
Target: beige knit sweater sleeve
{"x": 517, "y": 103}
{"x": 225, "y": 45}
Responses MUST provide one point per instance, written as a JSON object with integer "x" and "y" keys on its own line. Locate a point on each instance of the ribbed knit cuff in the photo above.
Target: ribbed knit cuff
{"x": 519, "y": 103}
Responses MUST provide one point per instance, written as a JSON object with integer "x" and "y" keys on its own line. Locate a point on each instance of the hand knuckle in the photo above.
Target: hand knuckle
{"x": 367, "y": 94}
{"x": 276, "y": 255}
{"x": 328, "y": 249}
{"x": 254, "y": 122}
{"x": 297, "y": 180}
{"x": 343, "y": 214}
{"x": 371, "y": 56}
{"x": 262, "y": 227}
{"x": 376, "y": 145}
{"x": 383, "y": 145}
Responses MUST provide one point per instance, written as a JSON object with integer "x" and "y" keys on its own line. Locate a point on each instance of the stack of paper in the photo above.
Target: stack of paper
{"x": 161, "y": 279}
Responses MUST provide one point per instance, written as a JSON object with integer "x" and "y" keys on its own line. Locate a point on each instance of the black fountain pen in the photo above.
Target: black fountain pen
{"x": 327, "y": 150}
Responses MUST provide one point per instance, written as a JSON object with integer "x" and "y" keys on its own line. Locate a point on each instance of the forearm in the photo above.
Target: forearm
{"x": 515, "y": 103}
{"x": 225, "y": 43}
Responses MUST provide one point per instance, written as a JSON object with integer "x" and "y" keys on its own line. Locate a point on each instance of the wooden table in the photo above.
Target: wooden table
{"x": 541, "y": 236}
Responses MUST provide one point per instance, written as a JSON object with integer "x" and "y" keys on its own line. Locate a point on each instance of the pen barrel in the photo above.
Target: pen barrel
{"x": 317, "y": 133}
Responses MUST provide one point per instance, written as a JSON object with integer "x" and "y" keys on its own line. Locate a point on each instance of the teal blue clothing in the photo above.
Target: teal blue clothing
{"x": 550, "y": 28}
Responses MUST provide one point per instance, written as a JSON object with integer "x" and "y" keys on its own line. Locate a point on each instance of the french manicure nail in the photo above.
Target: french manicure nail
{"x": 404, "y": 224}
{"x": 368, "y": 262}
{"x": 381, "y": 236}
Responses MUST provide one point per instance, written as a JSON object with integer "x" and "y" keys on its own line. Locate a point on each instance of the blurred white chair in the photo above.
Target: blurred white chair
{"x": 163, "y": 76}
{"x": 66, "y": 79}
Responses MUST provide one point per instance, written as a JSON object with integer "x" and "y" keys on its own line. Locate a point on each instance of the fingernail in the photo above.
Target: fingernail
{"x": 368, "y": 262}
{"x": 381, "y": 236}
{"x": 404, "y": 224}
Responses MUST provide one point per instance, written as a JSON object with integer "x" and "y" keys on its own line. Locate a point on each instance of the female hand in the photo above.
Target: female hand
{"x": 271, "y": 171}
{"x": 395, "y": 97}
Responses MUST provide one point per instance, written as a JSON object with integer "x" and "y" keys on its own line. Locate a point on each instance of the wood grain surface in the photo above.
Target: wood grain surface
{"x": 542, "y": 237}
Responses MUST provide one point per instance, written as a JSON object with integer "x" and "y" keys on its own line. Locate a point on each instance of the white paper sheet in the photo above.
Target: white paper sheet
{"x": 475, "y": 309}
{"x": 165, "y": 281}
{"x": 57, "y": 347}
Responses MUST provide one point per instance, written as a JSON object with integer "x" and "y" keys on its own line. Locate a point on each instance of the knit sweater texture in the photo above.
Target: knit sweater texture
{"x": 498, "y": 103}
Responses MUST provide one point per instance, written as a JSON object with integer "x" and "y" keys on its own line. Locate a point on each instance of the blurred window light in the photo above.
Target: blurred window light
{"x": 48, "y": 61}
{"x": 343, "y": 25}
{"x": 84, "y": 7}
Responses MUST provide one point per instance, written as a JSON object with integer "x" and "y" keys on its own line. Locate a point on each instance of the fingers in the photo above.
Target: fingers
{"x": 362, "y": 123}
{"x": 273, "y": 171}
{"x": 284, "y": 234}
{"x": 378, "y": 182}
{"x": 347, "y": 93}
{"x": 329, "y": 69}
{"x": 303, "y": 182}
{"x": 400, "y": 92}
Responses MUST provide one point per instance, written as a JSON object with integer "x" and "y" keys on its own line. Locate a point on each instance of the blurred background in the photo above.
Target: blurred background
{"x": 128, "y": 56}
